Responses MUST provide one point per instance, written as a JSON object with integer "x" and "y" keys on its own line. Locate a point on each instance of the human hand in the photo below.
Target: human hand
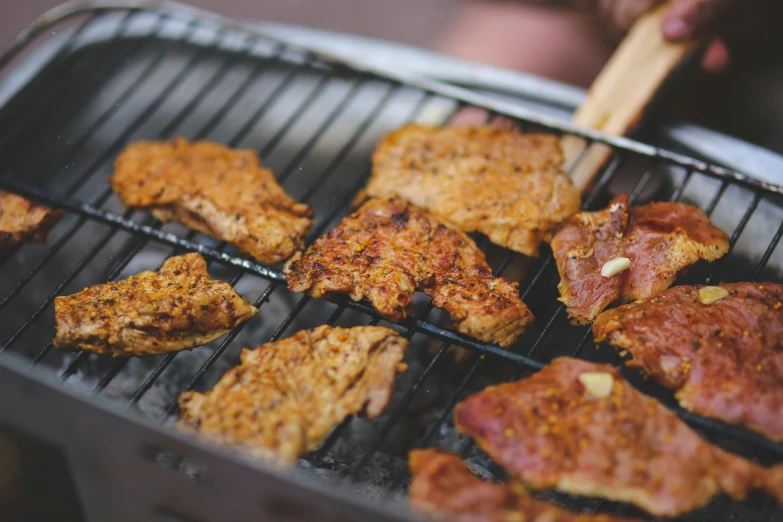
{"x": 685, "y": 19}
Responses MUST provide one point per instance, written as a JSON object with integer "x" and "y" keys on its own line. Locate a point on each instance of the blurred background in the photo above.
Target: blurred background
{"x": 746, "y": 101}
{"x": 412, "y": 21}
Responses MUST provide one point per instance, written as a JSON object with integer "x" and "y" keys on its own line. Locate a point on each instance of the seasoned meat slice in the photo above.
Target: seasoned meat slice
{"x": 724, "y": 358}
{"x": 580, "y": 428}
{"x": 664, "y": 240}
{"x": 386, "y": 250}
{"x": 22, "y": 220}
{"x": 661, "y": 241}
{"x": 176, "y": 308}
{"x": 581, "y": 248}
{"x": 444, "y": 488}
{"x": 285, "y": 397}
{"x": 506, "y": 185}
{"x": 216, "y": 190}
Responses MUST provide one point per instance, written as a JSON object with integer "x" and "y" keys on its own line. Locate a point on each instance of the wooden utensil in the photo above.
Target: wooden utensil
{"x": 622, "y": 91}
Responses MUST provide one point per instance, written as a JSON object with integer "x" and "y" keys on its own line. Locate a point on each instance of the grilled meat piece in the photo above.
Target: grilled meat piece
{"x": 662, "y": 240}
{"x": 285, "y": 397}
{"x": 581, "y": 248}
{"x": 506, "y": 185}
{"x": 176, "y": 308}
{"x": 724, "y": 358}
{"x": 386, "y": 250}
{"x": 22, "y": 220}
{"x": 216, "y": 190}
{"x": 580, "y": 428}
{"x": 443, "y": 487}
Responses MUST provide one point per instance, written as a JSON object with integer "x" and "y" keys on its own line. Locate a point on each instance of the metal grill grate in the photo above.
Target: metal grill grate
{"x": 123, "y": 75}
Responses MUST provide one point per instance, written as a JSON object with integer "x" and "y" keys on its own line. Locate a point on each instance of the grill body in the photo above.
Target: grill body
{"x": 123, "y": 73}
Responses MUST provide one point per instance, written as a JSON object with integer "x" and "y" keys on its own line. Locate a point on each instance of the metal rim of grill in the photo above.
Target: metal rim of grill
{"x": 229, "y": 44}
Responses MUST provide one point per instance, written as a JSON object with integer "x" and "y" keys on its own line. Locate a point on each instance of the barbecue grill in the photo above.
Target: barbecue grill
{"x": 86, "y": 80}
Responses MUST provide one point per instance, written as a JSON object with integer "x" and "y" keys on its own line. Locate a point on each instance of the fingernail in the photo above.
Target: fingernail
{"x": 676, "y": 29}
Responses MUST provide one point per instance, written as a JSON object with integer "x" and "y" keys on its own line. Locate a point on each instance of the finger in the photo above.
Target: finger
{"x": 716, "y": 58}
{"x": 687, "y": 18}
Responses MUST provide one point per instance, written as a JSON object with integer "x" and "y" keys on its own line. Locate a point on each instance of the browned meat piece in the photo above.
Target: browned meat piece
{"x": 216, "y": 190}
{"x": 22, "y": 220}
{"x": 285, "y": 397}
{"x": 725, "y": 358}
{"x": 443, "y": 487}
{"x": 580, "y": 428}
{"x": 388, "y": 249}
{"x": 496, "y": 181}
{"x": 176, "y": 308}
{"x": 661, "y": 241}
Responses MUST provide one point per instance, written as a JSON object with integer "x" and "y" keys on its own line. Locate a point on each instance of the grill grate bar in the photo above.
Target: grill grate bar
{"x": 680, "y": 190}
{"x": 582, "y": 343}
{"x": 301, "y": 110}
{"x": 545, "y": 331}
{"x": 474, "y": 365}
{"x": 768, "y": 253}
{"x": 633, "y": 197}
{"x": 41, "y": 85}
{"x": 716, "y": 199}
{"x": 735, "y": 236}
{"x": 113, "y": 372}
{"x": 232, "y": 100}
{"x": 354, "y": 138}
{"x": 279, "y": 91}
{"x": 113, "y": 108}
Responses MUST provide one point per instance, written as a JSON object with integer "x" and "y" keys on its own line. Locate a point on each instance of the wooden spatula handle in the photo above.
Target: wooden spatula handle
{"x": 622, "y": 91}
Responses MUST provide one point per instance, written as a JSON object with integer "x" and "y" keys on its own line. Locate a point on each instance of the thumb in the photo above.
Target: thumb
{"x": 687, "y": 18}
